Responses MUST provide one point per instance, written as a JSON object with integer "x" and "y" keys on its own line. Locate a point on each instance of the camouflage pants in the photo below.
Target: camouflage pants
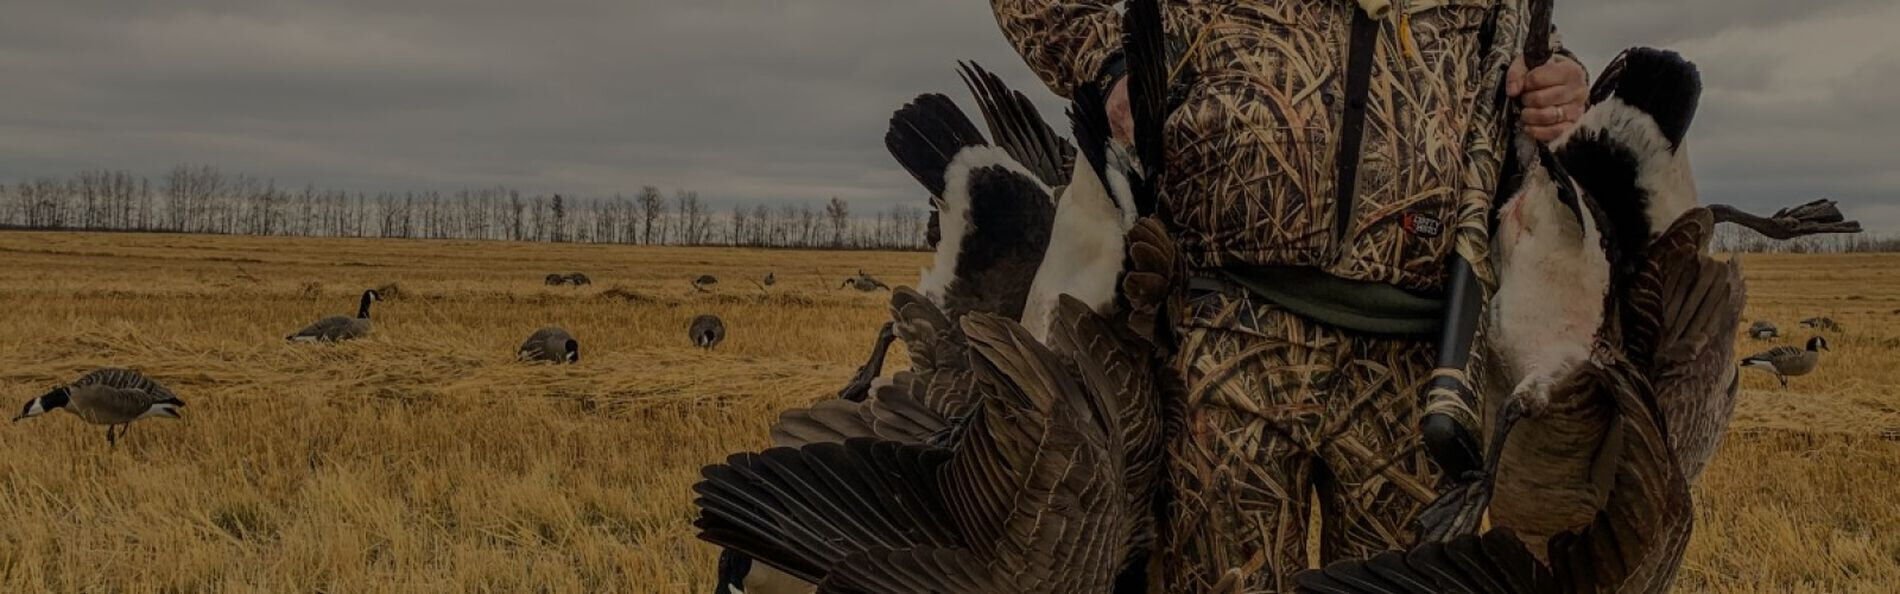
{"x": 1281, "y": 412}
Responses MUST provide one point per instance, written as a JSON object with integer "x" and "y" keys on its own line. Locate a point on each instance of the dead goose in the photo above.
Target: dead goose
{"x": 1821, "y": 323}
{"x": 703, "y": 283}
{"x": 110, "y": 397}
{"x": 555, "y": 280}
{"x": 1763, "y": 330}
{"x": 579, "y": 280}
{"x": 1601, "y": 435}
{"x": 337, "y": 328}
{"x": 551, "y": 344}
{"x": 707, "y": 331}
{"x": 1786, "y": 361}
{"x": 954, "y": 492}
{"x": 864, "y": 282}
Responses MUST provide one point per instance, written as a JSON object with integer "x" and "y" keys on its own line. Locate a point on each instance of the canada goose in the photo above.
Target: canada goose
{"x": 579, "y": 280}
{"x": 111, "y": 397}
{"x": 550, "y": 344}
{"x": 864, "y": 282}
{"x": 336, "y": 328}
{"x": 1596, "y": 444}
{"x": 1786, "y": 361}
{"x": 555, "y": 280}
{"x": 1763, "y": 330}
{"x": 770, "y": 279}
{"x": 704, "y": 281}
{"x": 949, "y": 489}
{"x": 966, "y": 492}
{"x": 707, "y": 331}
{"x": 1821, "y": 323}
{"x": 1591, "y": 470}
{"x": 994, "y": 206}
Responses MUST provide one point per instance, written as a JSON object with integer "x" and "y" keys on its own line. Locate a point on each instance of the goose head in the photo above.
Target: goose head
{"x": 370, "y": 296}
{"x": 573, "y": 351}
{"x": 1629, "y": 151}
{"x": 1817, "y": 344}
{"x": 57, "y": 398}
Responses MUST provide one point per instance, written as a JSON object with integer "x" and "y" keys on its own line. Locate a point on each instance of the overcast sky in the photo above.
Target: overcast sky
{"x": 753, "y": 100}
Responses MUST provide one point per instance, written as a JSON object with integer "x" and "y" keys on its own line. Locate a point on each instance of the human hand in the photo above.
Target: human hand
{"x": 1553, "y": 96}
{"x": 1121, "y": 116}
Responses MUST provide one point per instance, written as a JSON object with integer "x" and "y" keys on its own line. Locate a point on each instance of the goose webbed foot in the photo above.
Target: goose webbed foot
{"x": 1459, "y": 509}
{"x": 860, "y": 387}
{"x": 1462, "y": 502}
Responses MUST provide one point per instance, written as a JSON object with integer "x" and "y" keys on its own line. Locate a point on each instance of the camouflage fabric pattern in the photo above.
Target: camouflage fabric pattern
{"x": 1279, "y": 408}
{"x": 1253, "y": 149}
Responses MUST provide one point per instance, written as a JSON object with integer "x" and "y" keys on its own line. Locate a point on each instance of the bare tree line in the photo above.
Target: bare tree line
{"x": 202, "y": 199}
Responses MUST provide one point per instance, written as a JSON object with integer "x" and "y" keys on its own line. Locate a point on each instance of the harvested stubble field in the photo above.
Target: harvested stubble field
{"x": 424, "y": 459}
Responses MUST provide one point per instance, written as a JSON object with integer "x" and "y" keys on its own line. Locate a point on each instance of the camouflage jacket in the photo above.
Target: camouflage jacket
{"x": 1255, "y": 149}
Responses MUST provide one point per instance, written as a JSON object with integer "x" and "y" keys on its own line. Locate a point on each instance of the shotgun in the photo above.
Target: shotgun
{"x": 1451, "y": 418}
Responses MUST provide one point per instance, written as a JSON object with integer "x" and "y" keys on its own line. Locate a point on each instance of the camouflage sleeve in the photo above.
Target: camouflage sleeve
{"x": 1066, "y": 42}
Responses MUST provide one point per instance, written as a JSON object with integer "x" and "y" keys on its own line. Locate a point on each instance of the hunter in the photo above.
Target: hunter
{"x": 1327, "y": 160}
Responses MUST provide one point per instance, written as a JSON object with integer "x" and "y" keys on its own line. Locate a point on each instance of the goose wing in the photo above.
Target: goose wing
{"x": 1634, "y": 544}
{"x": 133, "y": 387}
{"x": 1018, "y": 127}
{"x": 323, "y": 329}
{"x": 919, "y": 405}
{"x": 1770, "y": 356}
{"x": 550, "y": 341}
{"x": 1030, "y": 500}
{"x": 926, "y": 134}
{"x": 1682, "y": 311}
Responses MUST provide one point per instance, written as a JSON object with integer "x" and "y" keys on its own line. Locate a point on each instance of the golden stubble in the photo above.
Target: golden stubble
{"x": 425, "y": 459}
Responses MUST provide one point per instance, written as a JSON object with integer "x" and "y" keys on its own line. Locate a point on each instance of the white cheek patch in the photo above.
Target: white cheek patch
{"x": 1663, "y": 171}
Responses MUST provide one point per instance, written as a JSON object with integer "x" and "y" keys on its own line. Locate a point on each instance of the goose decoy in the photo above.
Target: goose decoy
{"x": 551, "y": 344}
{"x": 1786, "y": 361}
{"x": 555, "y": 280}
{"x": 996, "y": 463}
{"x": 111, "y": 397}
{"x": 707, "y": 331}
{"x": 704, "y": 281}
{"x": 1821, "y": 323}
{"x": 337, "y": 328}
{"x": 864, "y": 282}
{"x": 1763, "y": 330}
{"x": 1600, "y": 436}
{"x": 579, "y": 280}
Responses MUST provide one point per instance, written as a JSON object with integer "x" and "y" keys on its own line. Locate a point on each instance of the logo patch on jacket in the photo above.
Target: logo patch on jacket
{"x": 1422, "y": 225}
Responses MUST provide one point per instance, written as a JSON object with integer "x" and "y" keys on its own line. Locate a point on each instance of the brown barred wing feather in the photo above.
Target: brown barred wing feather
{"x": 1683, "y": 309}
{"x": 1018, "y": 127}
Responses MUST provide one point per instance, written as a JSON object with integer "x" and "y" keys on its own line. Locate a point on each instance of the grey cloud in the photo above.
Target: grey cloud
{"x": 746, "y": 100}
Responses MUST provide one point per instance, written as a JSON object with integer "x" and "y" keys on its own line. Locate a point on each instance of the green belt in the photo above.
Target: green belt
{"x": 1361, "y": 306}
